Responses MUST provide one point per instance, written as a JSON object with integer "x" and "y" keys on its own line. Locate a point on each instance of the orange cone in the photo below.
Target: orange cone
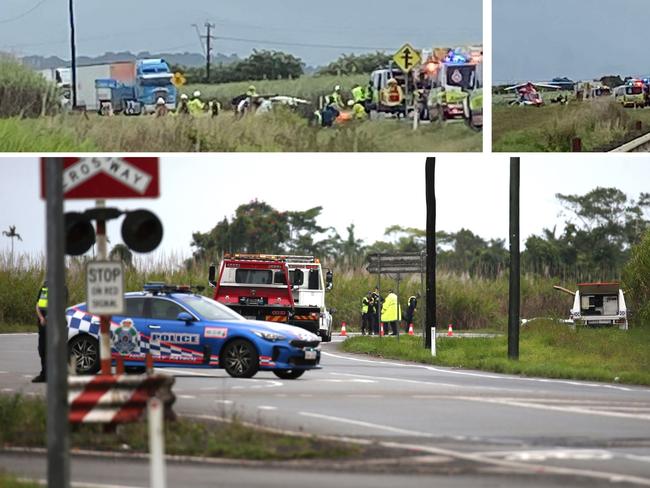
{"x": 450, "y": 331}
{"x": 411, "y": 330}
{"x": 343, "y": 331}
{"x": 381, "y": 329}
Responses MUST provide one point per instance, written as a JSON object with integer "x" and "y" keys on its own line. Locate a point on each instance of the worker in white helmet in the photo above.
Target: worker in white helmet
{"x": 183, "y": 108}
{"x": 195, "y": 105}
{"x": 161, "y": 108}
{"x": 335, "y": 98}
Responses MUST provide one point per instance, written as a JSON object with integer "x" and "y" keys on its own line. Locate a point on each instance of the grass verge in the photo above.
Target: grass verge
{"x": 9, "y": 481}
{"x": 16, "y": 328}
{"x": 546, "y": 349}
{"x": 601, "y": 125}
{"x": 22, "y": 423}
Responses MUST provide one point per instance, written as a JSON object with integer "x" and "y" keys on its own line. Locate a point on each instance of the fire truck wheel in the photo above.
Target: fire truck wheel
{"x": 289, "y": 374}
{"x": 84, "y": 351}
{"x": 240, "y": 359}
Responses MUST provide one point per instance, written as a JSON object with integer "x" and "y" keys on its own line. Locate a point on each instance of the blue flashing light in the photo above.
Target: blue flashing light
{"x": 155, "y": 286}
{"x": 454, "y": 57}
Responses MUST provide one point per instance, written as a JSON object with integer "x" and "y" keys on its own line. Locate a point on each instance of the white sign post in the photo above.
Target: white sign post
{"x": 105, "y": 287}
{"x": 433, "y": 341}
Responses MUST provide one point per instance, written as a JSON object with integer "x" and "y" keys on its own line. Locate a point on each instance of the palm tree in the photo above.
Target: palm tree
{"x": 12, "y": 234}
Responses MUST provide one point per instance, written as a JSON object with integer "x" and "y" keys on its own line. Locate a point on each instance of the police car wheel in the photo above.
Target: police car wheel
{"x": 84, "y": 350}
{"x": 240, "y": 359}
{"x": 289, "y": 374}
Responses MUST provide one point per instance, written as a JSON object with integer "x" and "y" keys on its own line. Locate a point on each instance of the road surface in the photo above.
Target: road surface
{"x": 482, "y": 427}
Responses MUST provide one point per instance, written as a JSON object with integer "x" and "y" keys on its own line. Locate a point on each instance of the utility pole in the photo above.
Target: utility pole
{"x": 514, "y": 293}
{"x": 208, "y": 51}
{"x": 430, "y": 179}
{"x": 73, "y": 56}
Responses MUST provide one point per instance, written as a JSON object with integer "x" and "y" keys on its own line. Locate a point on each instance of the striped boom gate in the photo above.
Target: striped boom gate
{"x": 115, "y": 399}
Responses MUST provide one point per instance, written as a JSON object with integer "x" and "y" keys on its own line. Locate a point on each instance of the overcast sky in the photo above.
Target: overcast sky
{"x": 165, "y": 25}
{"x": 536, "y": 40}
{"x": 371, "y": 191}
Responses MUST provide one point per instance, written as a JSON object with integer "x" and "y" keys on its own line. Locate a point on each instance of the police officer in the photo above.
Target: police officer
{"x": 390, "y": 311}
{"x": 375, "y": 311}
{"x": 41, "y": 314}
{"x": 410, "y": 311}
{"x": 365, "y": 317}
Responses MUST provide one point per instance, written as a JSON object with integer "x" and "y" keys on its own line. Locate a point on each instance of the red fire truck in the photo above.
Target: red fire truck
{"x": 274, "y": 288}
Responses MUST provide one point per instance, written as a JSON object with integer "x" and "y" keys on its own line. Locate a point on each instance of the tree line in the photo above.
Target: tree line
{"x": 600, "y": 228}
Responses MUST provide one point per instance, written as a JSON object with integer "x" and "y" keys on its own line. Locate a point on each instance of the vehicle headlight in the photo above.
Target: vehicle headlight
{"x": 269, "y": 336}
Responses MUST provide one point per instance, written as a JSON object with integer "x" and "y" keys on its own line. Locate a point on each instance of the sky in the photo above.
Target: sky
{"x": 535, "y": 40}
{"x": 373, "y": 191}
{"x": 166, "y": 26}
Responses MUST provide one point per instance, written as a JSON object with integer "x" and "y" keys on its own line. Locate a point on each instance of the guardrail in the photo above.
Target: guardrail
{"x": 640, "y": 144}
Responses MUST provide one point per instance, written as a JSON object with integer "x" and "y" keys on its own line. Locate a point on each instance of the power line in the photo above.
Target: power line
{"x": 24, "y": 14}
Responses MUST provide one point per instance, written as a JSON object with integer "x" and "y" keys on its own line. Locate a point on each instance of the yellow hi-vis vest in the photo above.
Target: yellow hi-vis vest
{"x": 390, "y": 310}
{"x": 42, "y": 298}
{"x": 364, "y": 305}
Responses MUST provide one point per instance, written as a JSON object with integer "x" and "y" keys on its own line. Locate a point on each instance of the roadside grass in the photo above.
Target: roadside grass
{"x": 467, "y": 302}
{"x": 18, "y": 328}
{"x": 547, "y": 349}
{"x": 281, "y": 130}
{"x": 23, "y": 91}
{"x": 9, "y": 481}
{"x": 600, "y": 124}
{"x": 22, "y": 423}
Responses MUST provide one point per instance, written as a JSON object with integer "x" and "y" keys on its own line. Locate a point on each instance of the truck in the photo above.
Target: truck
{"x": 276, "y": 288}
{"x": 598, "y": 304}
{"x": 124, "y": 86}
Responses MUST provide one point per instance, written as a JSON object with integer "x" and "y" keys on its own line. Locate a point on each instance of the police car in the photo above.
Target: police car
{"x": 181, "y": 328}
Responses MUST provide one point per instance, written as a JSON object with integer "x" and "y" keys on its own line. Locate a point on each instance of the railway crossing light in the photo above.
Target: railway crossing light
{"x": 142, "y": 231}
{"x": 79, "y": 234}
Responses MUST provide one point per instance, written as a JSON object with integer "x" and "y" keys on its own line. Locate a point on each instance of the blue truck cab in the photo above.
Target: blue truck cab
{"x": 153, "y": 80}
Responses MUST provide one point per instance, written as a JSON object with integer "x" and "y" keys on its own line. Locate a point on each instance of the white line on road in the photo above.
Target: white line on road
{"x": 7, "y": 390}
{"x": 3, "y": 372}
{"x": 365, "y": 424}
{"x": 489, "y": 376}
{"x": 187, "y": 397}
{"x": 79, "y": 484}
{"x": 225, "y": 402}
{"x": 266, "y": 407}
{"x": 365, "y": 396}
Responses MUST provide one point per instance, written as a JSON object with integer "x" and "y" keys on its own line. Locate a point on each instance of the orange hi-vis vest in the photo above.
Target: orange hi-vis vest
{"x": 394, "y": 94}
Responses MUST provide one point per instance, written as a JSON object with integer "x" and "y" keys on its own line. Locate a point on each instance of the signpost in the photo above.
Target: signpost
{"x": 105, "y": 287}
{"x": 90, "y": 178}
{"x": 407, "y": 58}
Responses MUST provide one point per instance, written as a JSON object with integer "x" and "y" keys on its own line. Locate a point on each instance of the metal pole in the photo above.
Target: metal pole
{"x": 430, "y": 178}
{"x": 104, "y": 320}
{"x": 423, "y": 292}
{"x": 380, "y": 325}
{"x": 158, "y": 475}
{"x": 58, "y": 442}
{"x": 514, "y": 292}
{"x": 399, "y": 318}
{"x": 73, "y": 56}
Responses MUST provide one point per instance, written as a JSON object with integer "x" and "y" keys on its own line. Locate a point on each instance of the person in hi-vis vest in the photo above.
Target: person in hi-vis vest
{"x": 41, "y": 314}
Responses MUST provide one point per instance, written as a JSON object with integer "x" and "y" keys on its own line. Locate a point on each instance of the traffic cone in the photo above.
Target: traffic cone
{"x": 381, "y": 329}
{"x": 411, "y": 330}
{"x": 450, "y": 331}
{"x": 343, "y": 331}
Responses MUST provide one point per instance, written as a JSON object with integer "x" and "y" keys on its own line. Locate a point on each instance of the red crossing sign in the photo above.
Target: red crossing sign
{"x": 108, "y": 177}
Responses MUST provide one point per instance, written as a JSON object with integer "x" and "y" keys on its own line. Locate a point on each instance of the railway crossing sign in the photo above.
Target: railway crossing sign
{"x": 407, "y": 58}
{"x": 110, "y": 177}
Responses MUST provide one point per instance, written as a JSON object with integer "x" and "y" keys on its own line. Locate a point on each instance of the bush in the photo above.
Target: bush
{"x": 23, "y": 92}
{"x": 636, "y": 280}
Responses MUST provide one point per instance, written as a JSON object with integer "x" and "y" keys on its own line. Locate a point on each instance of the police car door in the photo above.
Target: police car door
{"x": 171, "y": 340}
{"x": 127, "y": 330}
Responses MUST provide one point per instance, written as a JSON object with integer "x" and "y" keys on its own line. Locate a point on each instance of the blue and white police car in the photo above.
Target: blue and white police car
{"x": 181, "y": 328}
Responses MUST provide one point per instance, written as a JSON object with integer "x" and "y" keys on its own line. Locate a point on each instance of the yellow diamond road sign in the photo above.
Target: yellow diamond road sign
{"x": 407, "y": 58}
{"x": 178, "y": 79}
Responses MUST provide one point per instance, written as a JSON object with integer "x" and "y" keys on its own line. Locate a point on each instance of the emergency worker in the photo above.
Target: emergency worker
{"x": 195, "y": 105}
{"x": 369, "y": 94}
{"x": 392, "y": 95}
{"x": 335, "y": 98}
{"x": 183, "y": 108}
{"x": 375, "y": 310}
{"x": 390, "y": 312}
{"x": 358, "y": 93}
{"x": 251, "y": 92}
{"x": 41, "y": 315}
{"x": 161, "y": 108}
{"x": 365, "y": 318}
{"x": 410, "y": 311}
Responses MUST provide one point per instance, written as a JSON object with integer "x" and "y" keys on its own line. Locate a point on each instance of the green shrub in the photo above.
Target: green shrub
{"x": 636, "y": 280}
{"x": 23, "y": 92}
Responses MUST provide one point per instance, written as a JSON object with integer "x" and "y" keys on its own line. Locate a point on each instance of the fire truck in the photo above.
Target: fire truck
{"x": 274, "y": 288}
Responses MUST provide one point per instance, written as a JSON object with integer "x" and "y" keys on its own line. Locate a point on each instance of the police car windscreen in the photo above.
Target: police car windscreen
{"x": 209, "y": 309}
{"x": 462, "y": 76}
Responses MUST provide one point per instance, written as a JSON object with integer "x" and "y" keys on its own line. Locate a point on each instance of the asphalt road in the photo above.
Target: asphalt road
{"x": 486, "y": 429}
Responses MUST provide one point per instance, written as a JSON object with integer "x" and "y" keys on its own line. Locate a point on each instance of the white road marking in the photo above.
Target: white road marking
{"x": 80, "y": 484}
{"x": 3, "y": 372}
{"x": 187, "y": 397}
{"x": 489, "y": 376}
{"x": 365, "y": 396}
{"x": 266, "y": 407}
{"x": 560, "y": 454}
{"x": 225, "y": 402}
{"x": 7, "y": 390}
{"x": 365, "y": 424}
{"x": 356, "y": 380}
{"x": 516, "y": 402}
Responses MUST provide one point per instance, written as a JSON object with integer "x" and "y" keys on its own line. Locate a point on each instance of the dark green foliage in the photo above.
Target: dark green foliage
{"x": 24, "y": 92}
{"x": 350, "y": 64}
{"x": 636, "y": 279}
